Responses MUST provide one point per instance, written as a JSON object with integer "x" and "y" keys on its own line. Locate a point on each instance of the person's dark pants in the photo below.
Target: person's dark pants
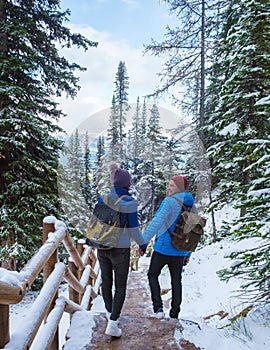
{"x": 114, "y": 266}
{"x": 175, "y": 265}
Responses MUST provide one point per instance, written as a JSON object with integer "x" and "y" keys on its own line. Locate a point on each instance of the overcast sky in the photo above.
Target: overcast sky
{"x": 121, "y": 28}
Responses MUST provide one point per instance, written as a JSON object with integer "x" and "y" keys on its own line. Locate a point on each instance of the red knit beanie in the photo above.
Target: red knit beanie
{"x": 181, "y": 182}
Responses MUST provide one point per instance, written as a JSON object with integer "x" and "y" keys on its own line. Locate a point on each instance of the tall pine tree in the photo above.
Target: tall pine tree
{"x": 121, "y": 100}
{"x": 72, "y": 182}
{"x": 135, "y": 139}
{"x": 31, "y": 73}
{"x": 187, "y": 49}
{"x": 241, "y": 154}
{"x": 113, "y": 133}
{"x": 154, "y": 157}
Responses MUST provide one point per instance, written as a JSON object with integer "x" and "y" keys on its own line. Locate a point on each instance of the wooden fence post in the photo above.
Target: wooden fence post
{"x": 80, "y": 248}
{"x": 92, "y": 257}
{"x": 73, "y": 294}
{"x": 80, "y": 245}
{"x": 47, "y": 270}
{"x": 4, "y": 325}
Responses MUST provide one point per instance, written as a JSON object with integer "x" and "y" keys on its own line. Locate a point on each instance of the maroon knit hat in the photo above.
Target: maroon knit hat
{"x": 119, "y": 177}
{"x": 181, "y": 182}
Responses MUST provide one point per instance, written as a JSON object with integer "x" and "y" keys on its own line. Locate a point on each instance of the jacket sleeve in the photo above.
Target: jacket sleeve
{"x": 133, "y": 223}
{"x": 158, "y": 224}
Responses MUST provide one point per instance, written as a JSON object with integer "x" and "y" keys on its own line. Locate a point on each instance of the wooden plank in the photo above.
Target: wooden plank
{"x": 11, "y": 294}
{"x": 73, "y": 252}
{"x": 4, "y": 325}
{"x": 25, "y": 334}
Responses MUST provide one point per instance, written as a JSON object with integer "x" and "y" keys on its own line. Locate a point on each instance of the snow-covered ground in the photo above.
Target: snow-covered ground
{"x": 203, "y": 295}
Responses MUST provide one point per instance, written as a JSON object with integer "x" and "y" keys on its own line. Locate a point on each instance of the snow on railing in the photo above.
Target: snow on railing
{"x": 81, "y": 273}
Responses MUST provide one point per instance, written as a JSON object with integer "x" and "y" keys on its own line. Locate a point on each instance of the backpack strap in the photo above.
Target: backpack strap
{"x": 105, "y": 199}
{"x": 181, "y": 203}
{"x": 120, "y": 198}
{"x": 185, "y": 208}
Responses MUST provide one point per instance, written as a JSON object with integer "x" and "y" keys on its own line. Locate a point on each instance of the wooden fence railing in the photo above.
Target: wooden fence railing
{"x": 81, "y": 273}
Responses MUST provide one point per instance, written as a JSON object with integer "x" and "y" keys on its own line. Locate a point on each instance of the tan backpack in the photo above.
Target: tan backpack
{"x": 103, "y": 230}
{"x": 188, "y": 231}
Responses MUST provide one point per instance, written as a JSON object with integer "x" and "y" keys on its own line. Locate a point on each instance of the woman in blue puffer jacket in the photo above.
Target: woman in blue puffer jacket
{"x": 164, "y": 252}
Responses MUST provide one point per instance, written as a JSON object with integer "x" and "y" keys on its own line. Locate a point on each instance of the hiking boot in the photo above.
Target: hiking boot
{"x": 159, "y": 314}
{"x": 112, "y": 329}
{"x": 176, "y": 322}
{"x": 173, "y": 320}
{"x": 174, "y": 313}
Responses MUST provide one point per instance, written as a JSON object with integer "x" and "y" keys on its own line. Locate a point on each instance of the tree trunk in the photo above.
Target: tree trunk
{"x": 245, "y": 182}
{"x": 3, "y": 35}
{"x": 213, "y": 219}
{"x": 202, "y": 89}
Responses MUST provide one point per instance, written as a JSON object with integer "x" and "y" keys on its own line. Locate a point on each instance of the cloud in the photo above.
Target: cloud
{"x": 130, "y": 3}
{"x": 97, "y": 83}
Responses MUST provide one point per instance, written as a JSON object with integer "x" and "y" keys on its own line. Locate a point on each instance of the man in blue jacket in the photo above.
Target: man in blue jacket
{"x": 164, "y": 252}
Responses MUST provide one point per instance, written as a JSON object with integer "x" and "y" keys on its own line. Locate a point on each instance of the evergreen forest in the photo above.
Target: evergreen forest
{"x": 219, "y": 55}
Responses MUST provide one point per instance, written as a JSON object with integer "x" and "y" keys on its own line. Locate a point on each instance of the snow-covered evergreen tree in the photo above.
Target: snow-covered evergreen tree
{"x": 187, "y": 49}
{"x": 113, "y": 133}
{"x": 99, "y": 179}
{"x": 143, "y": 127}
{"x": 151, "y": 187}
{"x": 134, "y": 141}
{"x": 87, "y": 180}
{"x": 31, "y": 74}
{"x": 72, "y": 191}
{"x": 121, "y": 101}
{"x": 242, "y": 124}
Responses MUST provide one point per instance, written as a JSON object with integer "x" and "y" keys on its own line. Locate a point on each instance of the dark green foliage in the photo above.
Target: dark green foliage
{"x": 240, "y": 125}
{"x": 121, "y": 98}
{"x": 31, "y": 74}
{"x": 75, "y": 184}
{"x": 87, "y": 183}
{"x": 113, "y": 129}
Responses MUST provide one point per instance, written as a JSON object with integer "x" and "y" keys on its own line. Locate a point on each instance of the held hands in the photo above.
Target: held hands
{"x": 186, "y": 260}
{"x": 142, "y": 249}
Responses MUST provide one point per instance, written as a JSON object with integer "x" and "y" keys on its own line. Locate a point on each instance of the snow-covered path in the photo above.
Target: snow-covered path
{"x": 140, "y": 330}
{"x": 203, "y": 295}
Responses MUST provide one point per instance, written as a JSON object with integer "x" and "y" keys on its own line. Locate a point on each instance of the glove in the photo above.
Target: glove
{"x": 142, "y": 249}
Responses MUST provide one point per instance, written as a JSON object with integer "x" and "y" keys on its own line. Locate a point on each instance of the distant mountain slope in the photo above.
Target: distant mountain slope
{"x": 97, "y": 123}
